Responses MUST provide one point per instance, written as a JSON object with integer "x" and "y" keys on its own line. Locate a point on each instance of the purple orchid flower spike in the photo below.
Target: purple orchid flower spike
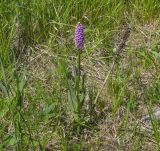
{"x": 79, "y": 36}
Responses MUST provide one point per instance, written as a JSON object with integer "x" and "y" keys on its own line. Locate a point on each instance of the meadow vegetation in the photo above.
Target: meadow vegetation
{"x": 45, "y": 106}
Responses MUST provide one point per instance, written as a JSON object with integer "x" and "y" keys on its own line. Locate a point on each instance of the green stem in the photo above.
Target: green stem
{"x": 78, "y": 81}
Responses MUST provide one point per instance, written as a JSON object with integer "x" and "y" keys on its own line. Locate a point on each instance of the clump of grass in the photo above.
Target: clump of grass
{"x": 44, "y": 107}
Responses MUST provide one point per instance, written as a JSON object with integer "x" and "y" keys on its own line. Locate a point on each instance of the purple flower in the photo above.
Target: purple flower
{"x": 79, "y": 36}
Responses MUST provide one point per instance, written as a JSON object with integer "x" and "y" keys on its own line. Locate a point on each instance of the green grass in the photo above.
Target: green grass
{"x": 43, "y": 107}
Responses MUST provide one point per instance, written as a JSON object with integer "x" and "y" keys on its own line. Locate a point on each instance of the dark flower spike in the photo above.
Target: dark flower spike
{"x": 79, "y": 36}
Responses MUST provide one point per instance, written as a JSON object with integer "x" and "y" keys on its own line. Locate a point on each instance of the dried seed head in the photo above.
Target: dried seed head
{"x": 79, "y": 36}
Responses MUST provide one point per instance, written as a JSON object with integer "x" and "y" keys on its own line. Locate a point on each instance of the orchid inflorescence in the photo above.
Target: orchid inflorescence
{"x": 79, "y": 36}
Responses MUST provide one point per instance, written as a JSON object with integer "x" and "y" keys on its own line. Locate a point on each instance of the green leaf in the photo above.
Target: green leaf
{"x": 4, "y": 89}
{"x": 3, "y": 111}
{"x": 72, "y": 99}
{"x": 48, "y": 109}
{"x": 9, "y": 141}
{"x": 76, "y": 147}
{"x": 22, "y": 82}
{"x": 157, "y": 55}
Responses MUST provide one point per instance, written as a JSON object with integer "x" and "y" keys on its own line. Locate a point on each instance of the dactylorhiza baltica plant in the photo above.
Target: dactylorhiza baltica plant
{"x": 76, "y": 88}
{"x": 76, "y": 93}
